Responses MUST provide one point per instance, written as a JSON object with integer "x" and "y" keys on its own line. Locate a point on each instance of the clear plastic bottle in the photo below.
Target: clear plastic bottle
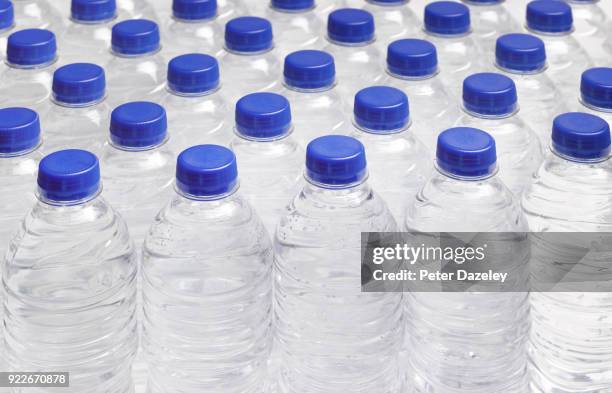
{"x": 316, "y": 104}
{"x": 229, "y": 9}
{"x": 592, "y": 29}
{"x": 137, "y": 69}
{"x": 248, "y": 60}
{"x": 136, "y": 9}
{"x": 596, "y": 93}
{"x": 70, "y": 282}
{"x": 38, "y": 14}
{"x": 7, "y": 24}
{"x": 571, "y": 331}
{"x": 331, "y": 336}
{"x": 207, "y": 281}
{"x": 197, "y": 111}
{"x": 394, "y": 20}
{"x": 269, "y": 158}
{"x": 398, "y": 162}
{"x": 466, "y": 341}
{"x": 522, "y": 57}
{"x": 490, "y": 103}
{"x": 298, "y": 24}
{"x": 30, "y": 63}
{"x": 78, "y": 114}
{"x": 490, "y": 19}
{"x": 351, "y": 41}
{"x": 412, "y": 66}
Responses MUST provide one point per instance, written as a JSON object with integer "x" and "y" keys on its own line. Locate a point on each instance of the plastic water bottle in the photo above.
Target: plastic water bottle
{"x": 78, "y": 114}
{"x": 578, "y": 170}
{"x": 207, "y": 282}
{"x": 552, "y": 22}
{"x": 596, "y": 93}
{"x": 28, "y": 72}
{"x": 490, "y": 19}
{"x": 394, "y": 20}
{"x": 298, "y": 24}
{"x": 398, "y": 162}
{"x": 269, "y": 158}
{"x": 522, "y": 57}
{"x": 331, "y": 336}
{"x": 490, "y": 103}
{"x": 136, "y": 9}
{"x": 248, "y": 60}
{"x": 37, "y": 14}
{"x": 70, "y": 282}
{"x": 466, "y": 341}
{"x": 412, "y": 66}
{"x": 197, "y": 112}
{"x": 137, "y": 68}
{"x": 7, "y": 23}
{"x": 351, "y": 41}
{"x": 316, "y": 104}
{"x": 229, "y": 9}
{"x": 592, "y": 29}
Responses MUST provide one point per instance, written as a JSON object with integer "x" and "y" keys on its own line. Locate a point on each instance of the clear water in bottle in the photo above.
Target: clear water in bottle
{"x": 491, "y": 19}
{"x": 466, "y": 341}
{"x": 270, "y": 159}
{"x": 298, "y": 24}
{"x": 207, "y": 281}
{"x": 7, "y": 24}
{"x": 70, "y": 282}
{"x": 592, "y": 29}
{"x": 331, "y": 336}
{"x": 398, "y": 162}
{"x": 394, "y": 20}
{"x": 38, "y": 14}
{"x": 596, "y": 93}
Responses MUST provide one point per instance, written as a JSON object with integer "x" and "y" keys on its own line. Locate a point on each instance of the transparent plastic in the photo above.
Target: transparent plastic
{"x": 38, "y": 14}
{"x": 87, "y": 42}
{"x": 296, "y": 30}
{"x": 134, "y": 78}
{"x": 489, "y": 21}
{"x": 393, "y": 21}
{"x": 4, "y": 34}
{"x": 26, "y": 86}
{"x": 592, "y": 29}
{"x": 186, "y": 36}
{"x": 228, "y": 9}
{"x": 136, "y": 9}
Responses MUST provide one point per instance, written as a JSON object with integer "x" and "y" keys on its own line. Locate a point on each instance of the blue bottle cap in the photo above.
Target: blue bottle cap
{"x": 79, "y": 84}
{"x": 581, "y": 136}
{"x": 135, "y": 37}
{"x": 350, "y": 26}
{"x": 412, "y": 58}
{"x": 466, "y": 152}
{"x": 520, "y": 52}
{"x": 447, "y": 18}
{"x": 293, "y": 5}
{"x": 335, "y": 161}
{"x": 248, "y": 34}
{"x": 263, "y": 116}
{"x": 489, "y": 94}
{"x": 596, "y": 87}
{"x": 381, "y": 109}
{"x": 93, "y": 10}
{"x": 68, "y": 176}
{"x": 309, "y": 69}
{"x": 194, "y": 9}
{"x": 193, "y": 73}
{"x": 31, "y": 47}
{"x": 549, "y": 16}
{"x": 206, "y": 171}
{"x": 19, "y": 130}
{"x": 138, "y": 125}
{"x": 7, "y": 14}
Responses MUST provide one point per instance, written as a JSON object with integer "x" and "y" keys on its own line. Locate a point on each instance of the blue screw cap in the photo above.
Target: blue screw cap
{"x": 489, "y": 93}
{"x": 381, "y": 109}
{"x": 93, "y": 10}
{"x": 596, "y": 87}
{"x": 581, "y": 136}
{"x": 248, "y": 34}
{"x": 206, "y": 171}
{"x": 68, "y": 176}
{"x": 263, "y": 116}
{"x": 7, "y": 14}
{"x": 350, "y": 26}
{"x": 31, "y": 47}
{"x": 549, "y": 16}
{"x": 138, "y": 125}
{"x": 135, "y": 37}
{"x": 19, "y": 130}
{"x": 412, "y": 58}
{"x": 335, "y": 161}
{"x": 194, "y": 9}
{"x": 193, "y": 73}
{"x": 447, "y": 18}
{"x": 293, "y": 5}
{"x": 520, "y": 52}
{"x": 79, "y": 84}
{"x": 466, "y": 152}
{"x": 309, "y": 69}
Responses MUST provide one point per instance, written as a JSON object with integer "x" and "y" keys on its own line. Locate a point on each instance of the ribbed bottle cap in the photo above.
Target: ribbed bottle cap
{"x": 31, "y": 47}
{"x": 520, "y": 52}
{"x": 194, "y": 9}
{"x": 412, "y": 58}
{"x": 206, "y": 171}
{"x": 19, "y": 130}
{"x": 248, "y": 34}
{"x": 68, "y": 176}
{"x": 193, "y": 73}
{"x": 135, "y": 37}
{"x": 263, "y": 116}
{"x": 381, "y": 109}
{"x": 596, "y": 87}
{"x": 549, "y": 16}
{"x": 350, "y": 26}
{"x": 489, "y": 93}
{"x": 79, "y": 83}
{"x": 581, "y": 136}
{"x": 7, "y": 14}
{"x": 138, "y": 125}
{"x": 466, "y": 152}
{"x": 336, "y": 161}
{"x": 93, "y": 10}
{"x": 293, "y": 5}
{"x": 447, "y": 18}
{"x": 309, "y": 69}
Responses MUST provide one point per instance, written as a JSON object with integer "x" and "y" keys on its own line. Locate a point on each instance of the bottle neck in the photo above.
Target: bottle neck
{"x": 76, "y": 204}
{"x": 355, "y": 193}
